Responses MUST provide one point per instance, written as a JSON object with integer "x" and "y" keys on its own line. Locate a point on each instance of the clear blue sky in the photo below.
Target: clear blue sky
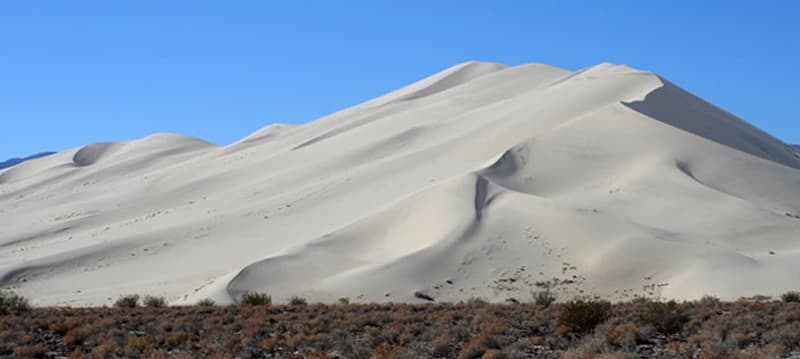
{"x": 76, "y": 72}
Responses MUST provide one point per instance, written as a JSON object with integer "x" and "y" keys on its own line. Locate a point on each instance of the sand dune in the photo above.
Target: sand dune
{"x": 481, "y": 181}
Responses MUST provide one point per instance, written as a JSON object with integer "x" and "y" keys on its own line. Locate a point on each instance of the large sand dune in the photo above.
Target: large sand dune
{"x": 480, "y": 181}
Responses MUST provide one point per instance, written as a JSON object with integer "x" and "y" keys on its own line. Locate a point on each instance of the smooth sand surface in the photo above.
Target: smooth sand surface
{"x": 480, "y": 181}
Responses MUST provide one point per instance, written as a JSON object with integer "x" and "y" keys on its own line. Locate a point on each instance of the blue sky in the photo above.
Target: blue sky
{"x": 76, "y": 72}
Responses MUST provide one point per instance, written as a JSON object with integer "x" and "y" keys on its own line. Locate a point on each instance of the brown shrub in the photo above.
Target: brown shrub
{"x": 77, "y": 335}
{"x": 385, "y": 351}
{"x": 622, "y": 335}
{"x": 442, "y": 346}
{"x": 31, "y": 351}
{"x": 476, "y": 346}
{"x": 494, "y": 354}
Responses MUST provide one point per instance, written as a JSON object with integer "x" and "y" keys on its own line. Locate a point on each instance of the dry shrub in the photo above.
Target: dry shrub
{"x": 12, "y": 303}
{"x": 318, "y": 355}
{"x": 583, "y": 315}
{"x": 138, "y": 344}
{"x": 105, "y": 350}
{"x": 476, "y": 346}
{"x": 127, "y": 301}
{"x": 544, "y": 298}
{"x": 63, "y": 326}
{"x": 678, "y": 349}
{"x": 155, "y": 302}
{"x": 297, "y": 301}
{"x": 791, "y": 297}
{"x": 589, "y": 348}
{"x": 623, "y": 335}
{"x": 31, "y": 351}
{"x": 442, "y": 346}
{"x": 712, "y": 350}
{"x": 77, "y": 335}
{"x": 207, "y": 302}
{"x": 256, "y": 298}
{"x": 494, "y": 354}
{"x": 175, "y": 339}
{"x": 385, "y": 351}
{"x": 666, "y": 318}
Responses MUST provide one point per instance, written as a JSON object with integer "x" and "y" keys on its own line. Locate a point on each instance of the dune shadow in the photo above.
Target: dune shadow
{"x": 678, "y": 108}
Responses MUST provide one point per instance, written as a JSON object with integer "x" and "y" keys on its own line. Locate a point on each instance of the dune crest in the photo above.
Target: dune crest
{"x": 482, "y": 180}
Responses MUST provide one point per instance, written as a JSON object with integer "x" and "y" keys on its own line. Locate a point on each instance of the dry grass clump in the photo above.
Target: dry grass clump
{"x": 207, "y": 302}
{"x": 256, "y": 298}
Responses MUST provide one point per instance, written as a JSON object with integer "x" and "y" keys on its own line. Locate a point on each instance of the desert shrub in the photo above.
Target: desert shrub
{"x": 385, "y": 351}
{"x": 155, "y": 302}
{"x": 583, "y": 315}
{"x": 442, "y": 346}
{"x": 12, "y": 303}
{"x": 344, "y": 300}
{"x": 544, "y": 298}
{"x": 77, "y": 335}
{"x": 31, "y": 351}
{"x": 207, "y": 302}
{"x": 297, "y": 301}
{"x": 791, "y": 297}
{"x": 494, "y": 354}
{"x": 478, "y": 345}
{"x": 256, "y": 298}
{"x": 127, "y": 301}
{"x": 624, "y": 335}
{"x": 666, "y": 317}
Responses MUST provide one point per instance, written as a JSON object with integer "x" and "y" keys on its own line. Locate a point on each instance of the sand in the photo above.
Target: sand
{"x": 481, "y": 181}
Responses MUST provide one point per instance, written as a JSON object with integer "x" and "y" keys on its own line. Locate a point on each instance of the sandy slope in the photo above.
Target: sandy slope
{"x": 479, "y": 181}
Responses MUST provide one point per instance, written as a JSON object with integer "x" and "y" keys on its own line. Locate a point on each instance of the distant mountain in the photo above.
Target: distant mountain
{"x": 16, "y": 161}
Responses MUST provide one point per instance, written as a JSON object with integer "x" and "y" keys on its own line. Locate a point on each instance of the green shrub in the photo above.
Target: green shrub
{"x": 344, "y": 300}
{"x": 155, "y": 302}
{"x": 207, "y": 302}
{"x": 256, "y": 298}
{"x": 583, "y": 315}
{"x": 12, "y": 303}
{"x": 791, "y": 297}
{"x": 298, "y": 301}
{"x": 127, "y": 301}
{"x": 667, "y": 318}
{"x": 544, "y": 298}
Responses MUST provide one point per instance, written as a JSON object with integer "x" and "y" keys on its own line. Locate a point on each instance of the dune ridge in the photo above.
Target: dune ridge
{"x": 483, "y": 180}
